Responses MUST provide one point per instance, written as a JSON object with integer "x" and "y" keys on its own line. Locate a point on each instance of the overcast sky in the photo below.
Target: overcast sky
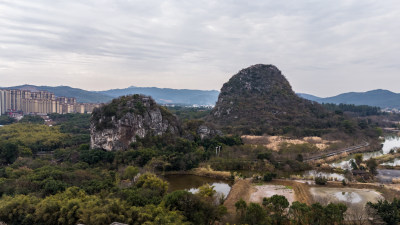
{"x": 322, "y": 47}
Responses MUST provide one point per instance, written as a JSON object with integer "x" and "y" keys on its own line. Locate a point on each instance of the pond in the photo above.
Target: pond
{"x": 395, "y": 162}
{"x": 345, "y": 195}
{"x": 329, "y": 176}
{"x": 386, "y": 176}
{"x": 389, "y": 143}
{"x": 192, "y": 183}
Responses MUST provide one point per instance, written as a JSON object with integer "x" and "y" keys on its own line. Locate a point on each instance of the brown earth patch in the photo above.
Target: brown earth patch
{"x": 267, "y": 190}
{"x": 240, "y": 190}
{"x": 274, "y": 142}
{"x": 243, "y": 189}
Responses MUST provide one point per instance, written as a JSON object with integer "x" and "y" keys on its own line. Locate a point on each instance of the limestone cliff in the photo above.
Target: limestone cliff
{"x": 116, "y": 125}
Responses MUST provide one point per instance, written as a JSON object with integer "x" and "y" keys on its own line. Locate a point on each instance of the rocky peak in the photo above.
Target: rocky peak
{"x": 257, "y": 79}
{"x": 259, "y": 98}
{"x": 116, "y": 125}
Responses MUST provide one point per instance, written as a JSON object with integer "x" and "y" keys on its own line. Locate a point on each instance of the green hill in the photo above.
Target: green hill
{"x": 259, "y": 100}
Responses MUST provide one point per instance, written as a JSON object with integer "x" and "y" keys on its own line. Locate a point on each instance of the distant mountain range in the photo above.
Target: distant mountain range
{"x": 380, "y": 98}
{"x": 168, "y": 95}
{"x": 161, "y": 95}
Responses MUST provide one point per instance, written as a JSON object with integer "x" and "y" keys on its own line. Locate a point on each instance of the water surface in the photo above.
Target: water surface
{"x": 350, "y": 197}
{"x": 329, "y": 176}
{"x": 192, "y": 183}
{"x": 389, "y": 143}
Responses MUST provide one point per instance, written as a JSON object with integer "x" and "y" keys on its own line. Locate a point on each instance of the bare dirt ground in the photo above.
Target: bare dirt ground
{"x": 243, "y": 189}
{"x": 273, "y": 142}
{"x": 240, "y": 190}
{"x": 266, "y": 191}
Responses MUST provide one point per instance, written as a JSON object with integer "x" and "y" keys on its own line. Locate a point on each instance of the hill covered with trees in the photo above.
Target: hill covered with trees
{"x": 259, "y": 100}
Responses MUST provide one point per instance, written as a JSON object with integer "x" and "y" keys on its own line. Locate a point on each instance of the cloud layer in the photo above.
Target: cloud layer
{"x": 323, "y": 47}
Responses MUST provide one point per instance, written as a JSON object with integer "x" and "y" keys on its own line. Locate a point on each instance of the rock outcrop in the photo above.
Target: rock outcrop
{"x": 260, "y": 100}
{"x": 118, "y": 124}
{"x": 206, "y": 132}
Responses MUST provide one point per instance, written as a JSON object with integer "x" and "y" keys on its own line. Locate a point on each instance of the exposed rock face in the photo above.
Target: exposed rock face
{"x": 260, "y": 100}
{"x": 208, "y": 132}
{"x": 116, "y": 125}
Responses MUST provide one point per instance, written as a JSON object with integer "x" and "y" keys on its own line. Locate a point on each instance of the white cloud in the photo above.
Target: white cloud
{"x": 323, "y": 47}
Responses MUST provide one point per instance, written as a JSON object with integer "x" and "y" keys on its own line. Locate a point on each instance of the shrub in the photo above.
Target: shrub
{"x": 321, "y": 180}
{"x": 269, "y": 176}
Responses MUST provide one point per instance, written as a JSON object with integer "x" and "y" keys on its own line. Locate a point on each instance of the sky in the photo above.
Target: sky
{"x": 322, "y": 47}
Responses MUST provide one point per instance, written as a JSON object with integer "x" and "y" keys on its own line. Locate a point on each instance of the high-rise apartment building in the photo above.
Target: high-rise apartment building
{"x": 40, "y": 102}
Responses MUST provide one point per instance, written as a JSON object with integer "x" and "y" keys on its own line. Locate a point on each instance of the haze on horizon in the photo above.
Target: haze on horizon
{"x": 323, "y": 47}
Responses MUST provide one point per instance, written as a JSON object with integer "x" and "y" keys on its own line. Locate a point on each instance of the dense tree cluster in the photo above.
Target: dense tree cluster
{"x": 388, "y": 212}
{"x": 32, "y": 119}
{"x": 189, "y": 113}
{"x": 75, "y": 206}
{"x": 358, "y": 110}
{"x": 31, "y": 138}
{"x": 5, "y": 120}
{"x": 276, "y": 210}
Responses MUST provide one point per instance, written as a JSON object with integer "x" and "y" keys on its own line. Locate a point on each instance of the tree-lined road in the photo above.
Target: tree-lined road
{"x": 348, "y": 150}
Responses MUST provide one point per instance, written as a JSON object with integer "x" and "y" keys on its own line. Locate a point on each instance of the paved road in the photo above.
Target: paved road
{"x": 348, "y": 150}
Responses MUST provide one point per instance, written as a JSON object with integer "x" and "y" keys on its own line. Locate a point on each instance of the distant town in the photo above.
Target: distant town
{"x": 17, "y": 103}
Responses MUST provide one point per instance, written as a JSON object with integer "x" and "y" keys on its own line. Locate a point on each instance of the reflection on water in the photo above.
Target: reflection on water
{"x": 329, "y": 176}
{"x": 386, "y": 176}
{"x": 192, "y": 183}
{"x": 350, "y": 197}
{"x": 389, "y": 143}
{"x": 395, "y": 162}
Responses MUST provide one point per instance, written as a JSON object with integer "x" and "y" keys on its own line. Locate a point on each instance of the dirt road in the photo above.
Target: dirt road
{"x": 240, "y": 190}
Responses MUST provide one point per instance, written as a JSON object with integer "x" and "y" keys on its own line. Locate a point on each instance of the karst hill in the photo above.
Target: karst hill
{"x": 116, "y": 125}
{"x": 260, "y": 100}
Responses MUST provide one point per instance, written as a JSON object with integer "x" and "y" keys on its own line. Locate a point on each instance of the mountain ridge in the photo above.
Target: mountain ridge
{"x": 379, "y": 97}
{"x": 169, "y": 95}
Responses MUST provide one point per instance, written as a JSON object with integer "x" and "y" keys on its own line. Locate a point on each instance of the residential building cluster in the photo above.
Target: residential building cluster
{"x": 40, "y": 103}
